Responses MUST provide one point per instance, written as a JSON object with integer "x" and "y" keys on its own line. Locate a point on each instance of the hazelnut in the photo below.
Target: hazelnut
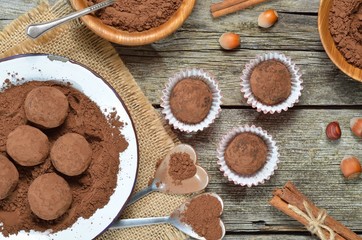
{"x": 229, "y": 40}
{"x": 268, "y": 18}
{"x": 351, "y": 167}
{"x": 356, "y": 126}
{"x": 333, "y": 131}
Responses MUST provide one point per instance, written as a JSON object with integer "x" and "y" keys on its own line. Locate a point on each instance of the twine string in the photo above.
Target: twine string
{"x": 315, "y": 224}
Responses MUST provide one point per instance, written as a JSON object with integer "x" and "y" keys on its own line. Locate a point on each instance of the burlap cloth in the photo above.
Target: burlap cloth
{"x": 155, "y": 138}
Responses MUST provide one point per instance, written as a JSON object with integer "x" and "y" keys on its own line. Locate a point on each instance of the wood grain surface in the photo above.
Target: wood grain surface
{"x": 307, "y": 157}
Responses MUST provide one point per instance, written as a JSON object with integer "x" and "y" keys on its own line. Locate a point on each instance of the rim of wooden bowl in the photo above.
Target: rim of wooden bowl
{"x": 136, "y": 38}
{"x": 329, "y": 45}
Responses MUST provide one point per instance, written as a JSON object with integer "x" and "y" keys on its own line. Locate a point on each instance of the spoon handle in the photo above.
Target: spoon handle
{"x": 35, "y": 30}
{"x": 136, "y": 222}
{"x": 138, "y": 195}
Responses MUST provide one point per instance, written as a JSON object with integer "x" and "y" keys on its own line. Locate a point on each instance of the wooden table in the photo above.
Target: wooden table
{"x": 307, "y": 157}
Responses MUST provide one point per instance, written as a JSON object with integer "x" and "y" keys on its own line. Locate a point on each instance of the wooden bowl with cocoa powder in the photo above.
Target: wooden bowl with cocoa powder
{"x": 135, "y": 38}
{"x": 329, "y": 45}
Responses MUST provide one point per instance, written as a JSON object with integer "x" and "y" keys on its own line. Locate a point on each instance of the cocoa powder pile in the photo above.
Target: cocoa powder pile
{"x": 137, "y": 15}
{"x": 345, "y": 25}
{"x": 203, "y": 215}
{"x": 90, "y": 190}
{"x": 181, "y": 167}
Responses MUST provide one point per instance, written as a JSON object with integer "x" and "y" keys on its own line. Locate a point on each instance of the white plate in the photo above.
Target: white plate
{"x": 40, "y": 67}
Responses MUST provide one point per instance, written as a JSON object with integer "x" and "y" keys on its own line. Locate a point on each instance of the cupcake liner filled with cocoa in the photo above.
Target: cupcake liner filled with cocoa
{"x": 191, "y": 100}
{"x": 259, "y": 151}
{"x": 271, "y": 83}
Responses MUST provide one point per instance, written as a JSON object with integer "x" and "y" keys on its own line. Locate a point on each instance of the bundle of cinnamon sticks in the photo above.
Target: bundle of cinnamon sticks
{"x": 229, "y": 6}
{"x": 293, "y": 203}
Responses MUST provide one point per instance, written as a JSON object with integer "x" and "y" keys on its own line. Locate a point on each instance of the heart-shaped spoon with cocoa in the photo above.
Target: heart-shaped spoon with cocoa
{"x": 178, "y": 173}
{"x": 199, "y": 218}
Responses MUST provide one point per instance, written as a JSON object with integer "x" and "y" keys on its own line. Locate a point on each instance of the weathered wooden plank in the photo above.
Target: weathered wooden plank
{"x": 268, "y": 237}
{"x": 4, "y": 23}
{"x": 13, "y": 8}
{"x": 307, "y": 158}
{"x": 323, "y": 83}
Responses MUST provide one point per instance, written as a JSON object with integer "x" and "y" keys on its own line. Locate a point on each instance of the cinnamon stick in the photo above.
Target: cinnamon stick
{"x": 281, "y": 205}
{"x": 291, "y": 195}
{"x": 224, "y": 4}
{"x": 338, "y": 227}
{"x": 237, "y": 7}
{"x": 296, "y": 199}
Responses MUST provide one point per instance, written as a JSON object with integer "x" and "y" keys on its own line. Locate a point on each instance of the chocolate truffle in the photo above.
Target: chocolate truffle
{"x": 246, "y": 153}
{"x": 9, "y": 177}
{"x": 46, "y": 107}
{"x": 270, "y": 82}
{"x": 27, "y": 145}
{"x": 71, "y": 154}
{"x": 49, "y": 196}
{"x": 191, "y": 100}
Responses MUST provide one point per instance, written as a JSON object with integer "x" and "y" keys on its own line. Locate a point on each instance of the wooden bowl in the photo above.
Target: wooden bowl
{"x": 328, "y": 43}
{"x": 135, "y": 38}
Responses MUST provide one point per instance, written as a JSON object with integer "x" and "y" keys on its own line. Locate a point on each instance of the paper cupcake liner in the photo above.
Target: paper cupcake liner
{"x": 296, "y": 80}
{"x": 216, "y": 100}
{"x": 262, "y": 174}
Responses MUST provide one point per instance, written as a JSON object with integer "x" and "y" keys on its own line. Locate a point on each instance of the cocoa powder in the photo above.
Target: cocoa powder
{"x": 345, "y": 25}
{"x": 137, "y": 15}
{"x": 203, "y": 215}
{"x": 92, "y": 189}
{"x": 181, "y": 167}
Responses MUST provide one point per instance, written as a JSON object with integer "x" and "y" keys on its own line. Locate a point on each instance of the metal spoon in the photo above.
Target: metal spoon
{"x": 163, "y": 182}
{"x": 35, "y": 30}
{"x": 174, "y": 219}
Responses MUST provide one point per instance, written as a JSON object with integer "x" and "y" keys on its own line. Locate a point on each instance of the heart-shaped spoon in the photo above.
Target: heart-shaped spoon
{"x": 198, "y": 226}
{"x": 163, "y": 182}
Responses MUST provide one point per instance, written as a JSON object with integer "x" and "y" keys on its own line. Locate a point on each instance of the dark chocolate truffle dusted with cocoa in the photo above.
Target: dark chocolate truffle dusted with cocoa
{"x": 246, "y": 153}
{"x": 49, "y": 196}
{"x": 191, "y": 100}
{"x": 71, "y": 154}
{"x": 46, "y": 107}
{"x": 28, "y": 146}
{"x": 270, "y": 82}
{"x": 9, "y": 177}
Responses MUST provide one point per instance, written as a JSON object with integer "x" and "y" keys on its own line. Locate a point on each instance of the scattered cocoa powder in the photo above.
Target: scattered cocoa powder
{"x": 203, "y": 215}
{"x": 91, "y": 190}
{"x": 137, "y": 15}
{"x": 181, "y": 167}
{"x": 345, "y": 25}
